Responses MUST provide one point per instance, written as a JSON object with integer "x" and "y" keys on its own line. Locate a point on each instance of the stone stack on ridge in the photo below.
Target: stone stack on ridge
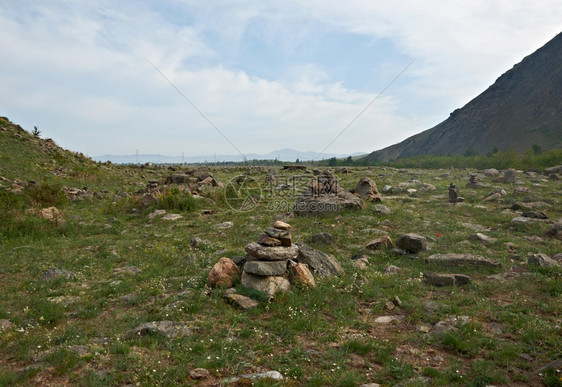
{"x": 267, "y": 260}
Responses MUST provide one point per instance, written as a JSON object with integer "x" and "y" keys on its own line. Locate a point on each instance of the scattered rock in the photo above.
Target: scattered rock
{"x": 475, "y": 183}
{"x": 323, "y": 237}
{"x": 555, "y": 365}
{"x": 268, "y": 285}
{"x": 325, "y": 196}
{"x": 51, "y": 214}
{"x": 412, "y": 243}
{"x": 391, "y": 269}
{"x": 361, "y": 262}
{"x": 367, "y": 189}
{"x": 224, "y": 273}
{"x": 169, "y": 329}
{"x": 491, "y": 172}
{"x": 396, "y": 301}
{"x": 541, "y": 260}
{"x": 442, "y": 327}
{"x": 382, "y": 209}
{"x": 241, "y": 301}
{"x": 455, "y": 259}
{"x": 509, "y": 176}
{"x": 197, "y": 243}
{"x": 131, "y": 270}
{"x": 525, "y": 220}
{"x": 319, "y": 262}
{"x": 389, "y": 305}
{"x": 56, "y": 273}
{"x": 156, "y": 213}
{"x": 199, "y": 373}
{"x": 172, "y": 217}
{"x": 6, "y": 324}
{"x": 475, "y": 227}
{"x": 435, "y": 279}
{"x": 223, "y": 225}
{"x": 273, "y": 375}
{"x": 556, "y": 229}
{"x": 534, "y": 215}
{"x": 378, "y": 244}
{"x": 479, "y": 237}
{"x": 388, "y": 319}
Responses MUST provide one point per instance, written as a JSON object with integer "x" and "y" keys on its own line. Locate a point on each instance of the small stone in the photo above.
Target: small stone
{"x": 396, "y": 301}
{"x": 169, "y": 329}
{"x": 389, "y": 305}
{"x": 382, "y": 209}
{"x": 509, "y": 176}
{"x": 445, "y": 279}
{"x": 281, "y": 225}
{"x": 361, "y": 263}
{"x": 199, "y": 373}
{"x": 382, "y": 242}
{"x": 534, "y": 215}
{"x": 172, "y": 217}
{"x": 391, "y": 269}
{"x": 479, "y": 237}
{"x": 241, "y": 301}
{"x": 388, "y": 319}
{"x": 156, "y": 213}
{"x": 5, "y": 324}
{"x": 197, "y": 242}
{"x": 541, "y": 260}
{"x": 442, "y": 327}
{"x": 273, "y": 375}
{"x": 283, "y": 235}
{"x": 300, "y": 274}
{"x": 56, "y": 273}
{"x": 323, "y": 237}
{"x": 224, "y": 273}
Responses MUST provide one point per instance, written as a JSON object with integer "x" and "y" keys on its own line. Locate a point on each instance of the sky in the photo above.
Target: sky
{"x": 252, "y": 76}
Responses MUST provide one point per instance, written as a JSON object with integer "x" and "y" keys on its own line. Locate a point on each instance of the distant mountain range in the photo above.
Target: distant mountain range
{"x": 287, "y": 155}
{"x": 522, "y": 108}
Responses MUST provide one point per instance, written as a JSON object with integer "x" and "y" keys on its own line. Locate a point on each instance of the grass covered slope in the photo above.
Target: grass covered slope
{"x": 124, "y": 267}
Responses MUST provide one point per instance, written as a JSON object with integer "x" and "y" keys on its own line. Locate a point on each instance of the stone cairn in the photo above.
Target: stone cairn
{"x": 454, "y": 194}
{"x": 269, "y": 259}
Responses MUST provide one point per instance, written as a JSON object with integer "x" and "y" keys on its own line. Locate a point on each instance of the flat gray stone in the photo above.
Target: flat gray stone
{"x": 454, "y": 259}
{"x": 56, "y": 273}
{"x": 541, "y": 260}
{"x": 169, "y": 329}
{"x": 266, "y": 268}
{"x": 436, "y": 279}
{"x": 274, "y": 375}
{"x": 271, "y": 253}
{"x": 241, "y": 301}
{"x": 479, "y": 237}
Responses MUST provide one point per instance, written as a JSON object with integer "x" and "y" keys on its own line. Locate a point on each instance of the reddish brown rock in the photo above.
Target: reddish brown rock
{"x": 224, "y": 273}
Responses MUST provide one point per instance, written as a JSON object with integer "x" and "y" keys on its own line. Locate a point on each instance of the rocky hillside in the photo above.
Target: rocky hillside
{"x": 523, "y": 107}
{"x": 28, "y": 157}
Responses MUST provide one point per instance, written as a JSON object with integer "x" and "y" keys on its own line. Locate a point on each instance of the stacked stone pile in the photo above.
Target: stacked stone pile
{"x": 267, "y": 260}
{"x": 270, "y": 262}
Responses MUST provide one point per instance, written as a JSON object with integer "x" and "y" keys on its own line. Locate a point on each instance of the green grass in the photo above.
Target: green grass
{"x": 315, "y": 337}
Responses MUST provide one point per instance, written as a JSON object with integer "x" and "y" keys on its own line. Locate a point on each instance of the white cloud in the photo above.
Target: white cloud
{"x": 80, "y": 72}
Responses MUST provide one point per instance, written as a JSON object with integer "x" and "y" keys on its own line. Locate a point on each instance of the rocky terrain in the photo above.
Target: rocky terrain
{"x": 174, "y": 275}
{"x": 522, "y": 108}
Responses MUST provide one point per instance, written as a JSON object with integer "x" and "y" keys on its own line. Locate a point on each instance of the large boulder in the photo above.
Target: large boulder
{"x": 367, "y": 189}
{"x": 325, "y": 196}
{"x": 224, "y": 273}
{"x": 412, "y": 243}
{"x": 319, "y": 262}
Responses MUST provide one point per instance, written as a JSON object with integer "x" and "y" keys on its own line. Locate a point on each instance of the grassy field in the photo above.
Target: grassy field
{"x": 128, "y": 269}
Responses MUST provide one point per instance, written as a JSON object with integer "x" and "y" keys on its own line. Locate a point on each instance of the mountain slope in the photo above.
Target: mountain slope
{"x": 523, "y": 107}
